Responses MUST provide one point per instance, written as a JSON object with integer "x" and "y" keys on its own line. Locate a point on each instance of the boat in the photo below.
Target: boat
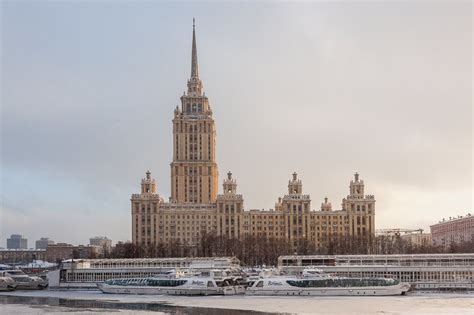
{"x": 317, "y": 283}
{"x": 25, "y": 282}
{"x": 177, "y": 286}
{"x": 6, "y": 283}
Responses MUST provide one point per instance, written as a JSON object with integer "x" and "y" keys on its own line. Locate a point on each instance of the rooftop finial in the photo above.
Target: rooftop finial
{"x": 356, "y": 175}
{"x": 194, "y": 61}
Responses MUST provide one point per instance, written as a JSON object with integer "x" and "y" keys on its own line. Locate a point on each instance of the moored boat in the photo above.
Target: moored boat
{"x": 319, "y": 284}
{"x": 25, "y": 282}
{"x": 6, "y": 283}
{"x": 177, "y": 286}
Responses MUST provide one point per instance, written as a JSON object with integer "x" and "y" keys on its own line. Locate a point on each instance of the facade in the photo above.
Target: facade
{"x": 104, "y": 243}
{"x": 43, "y": 243}
{"x": 424, "y": 271}
{"x": 21, "y": 256}
{"x": 17, "y": 241}
{"x": 418, "y": 239}
{"x": 196, "y": 208}
{"x": 453, "y": 231}
{"x": 62, "y": 251}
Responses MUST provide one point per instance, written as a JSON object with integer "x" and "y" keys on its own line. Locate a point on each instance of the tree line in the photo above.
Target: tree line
{"x": 260, "y": 250}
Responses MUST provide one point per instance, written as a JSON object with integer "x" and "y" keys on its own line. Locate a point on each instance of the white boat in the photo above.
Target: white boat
{"x": 6, "y": 283}
{"x": 316, "y": 283}
{"x": 177, "y": 286}
{"x": 25, "y": 282}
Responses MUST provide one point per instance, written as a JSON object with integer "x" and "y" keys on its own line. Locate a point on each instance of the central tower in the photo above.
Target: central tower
{"x": 194, "y": 169}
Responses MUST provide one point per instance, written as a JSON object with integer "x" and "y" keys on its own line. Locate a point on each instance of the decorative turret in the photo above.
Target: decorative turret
{"x": 356, "y": 187}
{"x": 230, "y": 185}
{"x": 295, "y": 187}
{"x": 148, "y": 184}
{"x": 326, "y": 206}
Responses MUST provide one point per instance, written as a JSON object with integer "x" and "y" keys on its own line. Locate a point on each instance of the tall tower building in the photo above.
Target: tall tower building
{"x": 195, "y": 208}
{"x": 194, "y": 171}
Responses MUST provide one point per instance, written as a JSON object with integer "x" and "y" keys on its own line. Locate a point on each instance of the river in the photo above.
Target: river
{"x": 93, "y": 302}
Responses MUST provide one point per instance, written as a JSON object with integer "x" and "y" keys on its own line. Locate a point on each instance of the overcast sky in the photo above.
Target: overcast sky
{"x": 324, "y": 89}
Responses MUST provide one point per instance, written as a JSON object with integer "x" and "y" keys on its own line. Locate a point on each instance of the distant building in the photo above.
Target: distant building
{"x": 21, "y": 256}
{"x": 43, "y": 243}
{"x": 453, "y": 231}
{"x": 17, "y": 241}
{"x": 101, "y": 241}
{"x": 59, "y": 251}
{"x": 418, "y": 239}
{"x": 62, "y": 251}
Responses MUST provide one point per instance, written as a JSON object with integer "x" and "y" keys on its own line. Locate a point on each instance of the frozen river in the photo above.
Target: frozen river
{"x": 93, "y": 302}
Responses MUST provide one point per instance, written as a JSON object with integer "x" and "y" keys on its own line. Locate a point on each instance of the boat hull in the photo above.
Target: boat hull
{"x": 8, "y": 288}
{"x": 400, "y": 289}
{"x": 31, "y": 286}
{"x": 146, "y": 290}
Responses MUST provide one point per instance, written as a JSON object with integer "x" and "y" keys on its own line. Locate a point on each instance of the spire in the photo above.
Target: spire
{"x": 194, "y": 58}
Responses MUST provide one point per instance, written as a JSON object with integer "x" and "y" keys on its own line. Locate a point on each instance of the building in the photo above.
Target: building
{"x": 104, "y": 243}
{"x": 17, "y": 241}
{"x": 21, "y": 256}
{"x": 453, "y": 231}
{"x": 424, "y": 271}
{"x": 418, "y": 239}
{"x": 63, "y": 251}
{"x": 195, "y": 207}
{"x": 43, "y": 243}
{"x": 415, "y": 237}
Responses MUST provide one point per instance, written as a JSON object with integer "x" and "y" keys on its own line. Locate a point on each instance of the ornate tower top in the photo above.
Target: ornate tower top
{"x": 356, "y": 187}
{"x": 295, "y": 186}
{"x": 326, "y": 206}
{"x": 230, "y": 184}
{"x": 148, "y": 184}
{"x": 194, "y": 83}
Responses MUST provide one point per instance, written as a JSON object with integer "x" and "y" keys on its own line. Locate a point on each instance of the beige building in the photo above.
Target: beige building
{"x": 418, "y": 239}
{"x": 195, "y": 207}
{"x": 102, "y": 242}
{"x": 453, "y": 231}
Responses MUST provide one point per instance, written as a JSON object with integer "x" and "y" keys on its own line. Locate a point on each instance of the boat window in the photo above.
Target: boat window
{"x": 210, "y": 284}
{"x": 349, "y": 282}
{"x": 165, "y": 283}
{"x": 259, "y": 284}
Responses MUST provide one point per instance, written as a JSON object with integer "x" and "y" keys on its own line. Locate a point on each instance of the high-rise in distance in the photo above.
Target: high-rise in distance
{"x": 196, "y": 208}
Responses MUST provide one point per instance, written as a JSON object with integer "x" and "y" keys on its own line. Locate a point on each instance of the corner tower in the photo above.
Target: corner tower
{"x": 194, "y": 169}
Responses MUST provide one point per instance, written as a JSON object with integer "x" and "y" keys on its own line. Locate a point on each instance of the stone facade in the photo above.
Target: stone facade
{"x": 195, "y": 207}
{"x": 418, "y": 239}
{"x": 102, "y": 242}
{"x": 453, "y": 231}
{"x": 21, "y": 256}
